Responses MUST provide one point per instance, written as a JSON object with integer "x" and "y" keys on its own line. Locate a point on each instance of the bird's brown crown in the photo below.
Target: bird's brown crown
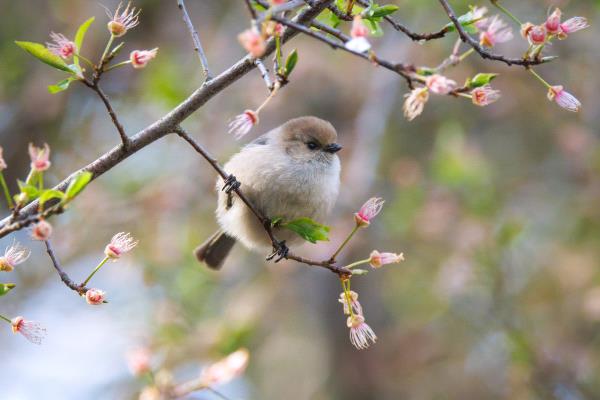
{"x": 305, "y": 129}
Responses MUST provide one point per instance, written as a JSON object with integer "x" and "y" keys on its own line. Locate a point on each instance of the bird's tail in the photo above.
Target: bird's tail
{"x": 215, "y": 249}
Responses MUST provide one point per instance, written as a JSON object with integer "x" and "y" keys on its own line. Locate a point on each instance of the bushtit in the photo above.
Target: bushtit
{"x": 290, "y": 172}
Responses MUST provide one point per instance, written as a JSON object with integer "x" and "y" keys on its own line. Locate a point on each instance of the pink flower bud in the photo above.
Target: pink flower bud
{"x": 243, "y": 123}
{"x": 484, "y": 95}
{"x": 120, "y": 244}
{"x": 253, "y": 42}
{"x": 415, "y": 102}
{"x": 377, "y": 259}
{"x": 13, "y": 256}
{"x": 368, "y": 211}
{"x": 3, "y": 165}
{"x": 439, "y": 84}
{"x": 140, "y": 58}
{"x": 120, "y": 23}
{"x": 563, "y": 98}
{"x": 95, "y": 297}
{"x": 359, "y": 29}
{"x": 226, "y": 369}
{"x": 41, "y": 231}
{"x": 537, "y": 35}
{"x": 61, "y": 46}
{"x": 30, "y": 330}
{"x": 139, "y": 361}
{"x": 361, "y": 334}
{"x": 553, "y": 22}
{"x": 277, "y": 2}
{"x": 40, "y": 157}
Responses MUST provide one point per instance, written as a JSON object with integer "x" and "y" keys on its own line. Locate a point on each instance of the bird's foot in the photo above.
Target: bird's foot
{"x": 231, "y": 184}
{"x": 280, "y": 250}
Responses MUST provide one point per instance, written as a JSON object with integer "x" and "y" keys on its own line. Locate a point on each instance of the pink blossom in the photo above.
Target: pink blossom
{"x": 378, "y": 259}
{"x": 253, "y": 42}
{"x": 484, "y": 95}
{"x": 30, "y": 330}
{"x": 361, "y": 334}
{"x": 537, "y": 35}
{"x": 3, "y": 165}
{"x": 359, "y": 29}
{"x": 139, "y": 361}
{"x": 140, "y": 58}
{"x": 563, "y": 98}
{"x": 243, "y": 123}
{"x": 226, "y": 369}
{"x": 572, "y": 25}
{"x": 439, "y": 84}
{"x": 95, "y": 297}
{"x": 478, "y": 14}
{"x": 61, "y": 46}
{"x": 359, "y": 44}
{"x": 41, "y": 231}
{"x": 368, "y": 211}
{"x": 415, "y": 102}
{"x": 277, "y": 2}
{"x": 356, "y": 307}
{"x": 40, "y": 157}
{"x": 120, "y": 23}
{"x": 552, "y": 23}
{"x": 120, "y": 244}
{"x": 13, "y": 255}
{"x": 496, "y": 32}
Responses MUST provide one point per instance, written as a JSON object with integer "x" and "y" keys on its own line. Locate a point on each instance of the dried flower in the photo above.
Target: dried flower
{"x": 3, "y": 165}
{"x": 361, "y": 334}
{"x": 226, "y": 369}
{"x": 120, "y": 23}
{"x": 484, "y": 95}
{"x": 572, "y": 25}
{"x": 378, "y": 259}
{"x": 525, "y": 28}
{"x": 563, "y": 98}
{"x": 95, "y": 297}
{"x": 356, "y": 307}
{"x": 552, "y": 23}
{"x": 495, "y": 32}
{"x": 61, "y": 45}
{"x": 40, "y": 157}
{"x": 537, "y": 35}
{"x": 359, "y": 33}
{"x": 415, "y": 102}
{"x": 120, "y": 244}
{"x": 439, "y": 84}
{"x": 140, "y": 58}
{"x": 13, "y": 256}
{"x": 368, "y": 211}
{"x": 41, "y": 231}
{"x": 30, "y": 330}
{"x": 139, "y": 361}
{"x": 243, "y": 123}
{"x": 253, "y": 42}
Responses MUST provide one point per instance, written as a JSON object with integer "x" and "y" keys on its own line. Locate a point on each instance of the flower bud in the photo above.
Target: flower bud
{"x": 368, "y": 211}
{"x": 41, "y": 231}
{"x": 553, "y": 22}
{"x": 40, "y": 157}
{"x": 95, "y": 297}
{"x": 141, "y": 58}
{"x": 377, "y": 259}
{"x": 537, "y": 35}
{"x": 253, "y": 42}
{"x": 138, "y": 361}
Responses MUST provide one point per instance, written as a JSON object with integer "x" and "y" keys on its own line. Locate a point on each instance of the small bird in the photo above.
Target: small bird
{"x": 290, "y": 172}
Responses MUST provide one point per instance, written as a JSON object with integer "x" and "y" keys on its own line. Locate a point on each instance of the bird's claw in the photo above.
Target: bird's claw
{"x": 280, "y": 250}
{"x": 231, "y": 184}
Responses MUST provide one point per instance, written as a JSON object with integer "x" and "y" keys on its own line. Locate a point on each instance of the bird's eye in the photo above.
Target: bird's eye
{"x": 312, "y": 145}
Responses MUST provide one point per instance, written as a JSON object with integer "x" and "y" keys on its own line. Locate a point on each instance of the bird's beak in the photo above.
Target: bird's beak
{"x": 333, "y": 148}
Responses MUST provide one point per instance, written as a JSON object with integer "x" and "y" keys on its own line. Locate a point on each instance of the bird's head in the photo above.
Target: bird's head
{"x": 309, "y": 139}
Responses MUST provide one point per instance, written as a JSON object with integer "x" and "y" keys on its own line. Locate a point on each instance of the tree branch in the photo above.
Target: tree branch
{"x": 264, "y": 72}
{"x": 196, "y": 39}
{"x": 80, "y": 289}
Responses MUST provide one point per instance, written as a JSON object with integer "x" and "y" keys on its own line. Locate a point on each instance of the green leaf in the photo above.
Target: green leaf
{"x": 467, "y": 21}
{"x": 80, "y": 35}
{"x": 40, "y": 52}
{"x": 30, "y": 190}
{"x": 116, "y": 50}
{"x": 50, "y": 194}
{"x": 60, "y": 86}
{"x": 480, "y": 80}
{"x": 77, "y": 184}
{"x": 6, "y": 287}
{"x": 374, "y": 27}
{"x": 290, "y": 62}
{"x": 308, "y": 229}
{"x": 379, "y": 12}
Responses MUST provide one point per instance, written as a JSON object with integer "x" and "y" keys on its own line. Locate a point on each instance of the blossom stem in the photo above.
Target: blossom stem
{"x": 108, "y": 45}
{"x": 95, "y": 270}
{"x": 273, "y": 92}
{"x": 466, "y": 54}
{"x": 346, "y": 288}
{"x": 466, "y": 95}
{"x": 344, "y": 243}
{"x": 5, "y": 319}
{"x": 41, "y": 182}
{"x": 357, "y": 263}
{"x": 540, "y": 78}
{"x": 117, "y": 65}
{"x": 505, "y": 11}
{"x": 6, "y": 191}
{"x": 87, "y": 60}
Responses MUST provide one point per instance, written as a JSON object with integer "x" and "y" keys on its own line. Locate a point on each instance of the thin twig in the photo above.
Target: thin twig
{"x": 332, "y": 31}
{"x": 196, "y": 39}
{"x": 264, "y": 72}
{"x": 80, "y": 289}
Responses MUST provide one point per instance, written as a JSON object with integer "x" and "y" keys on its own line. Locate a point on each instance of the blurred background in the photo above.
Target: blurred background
{"x": 496, "y": 210}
